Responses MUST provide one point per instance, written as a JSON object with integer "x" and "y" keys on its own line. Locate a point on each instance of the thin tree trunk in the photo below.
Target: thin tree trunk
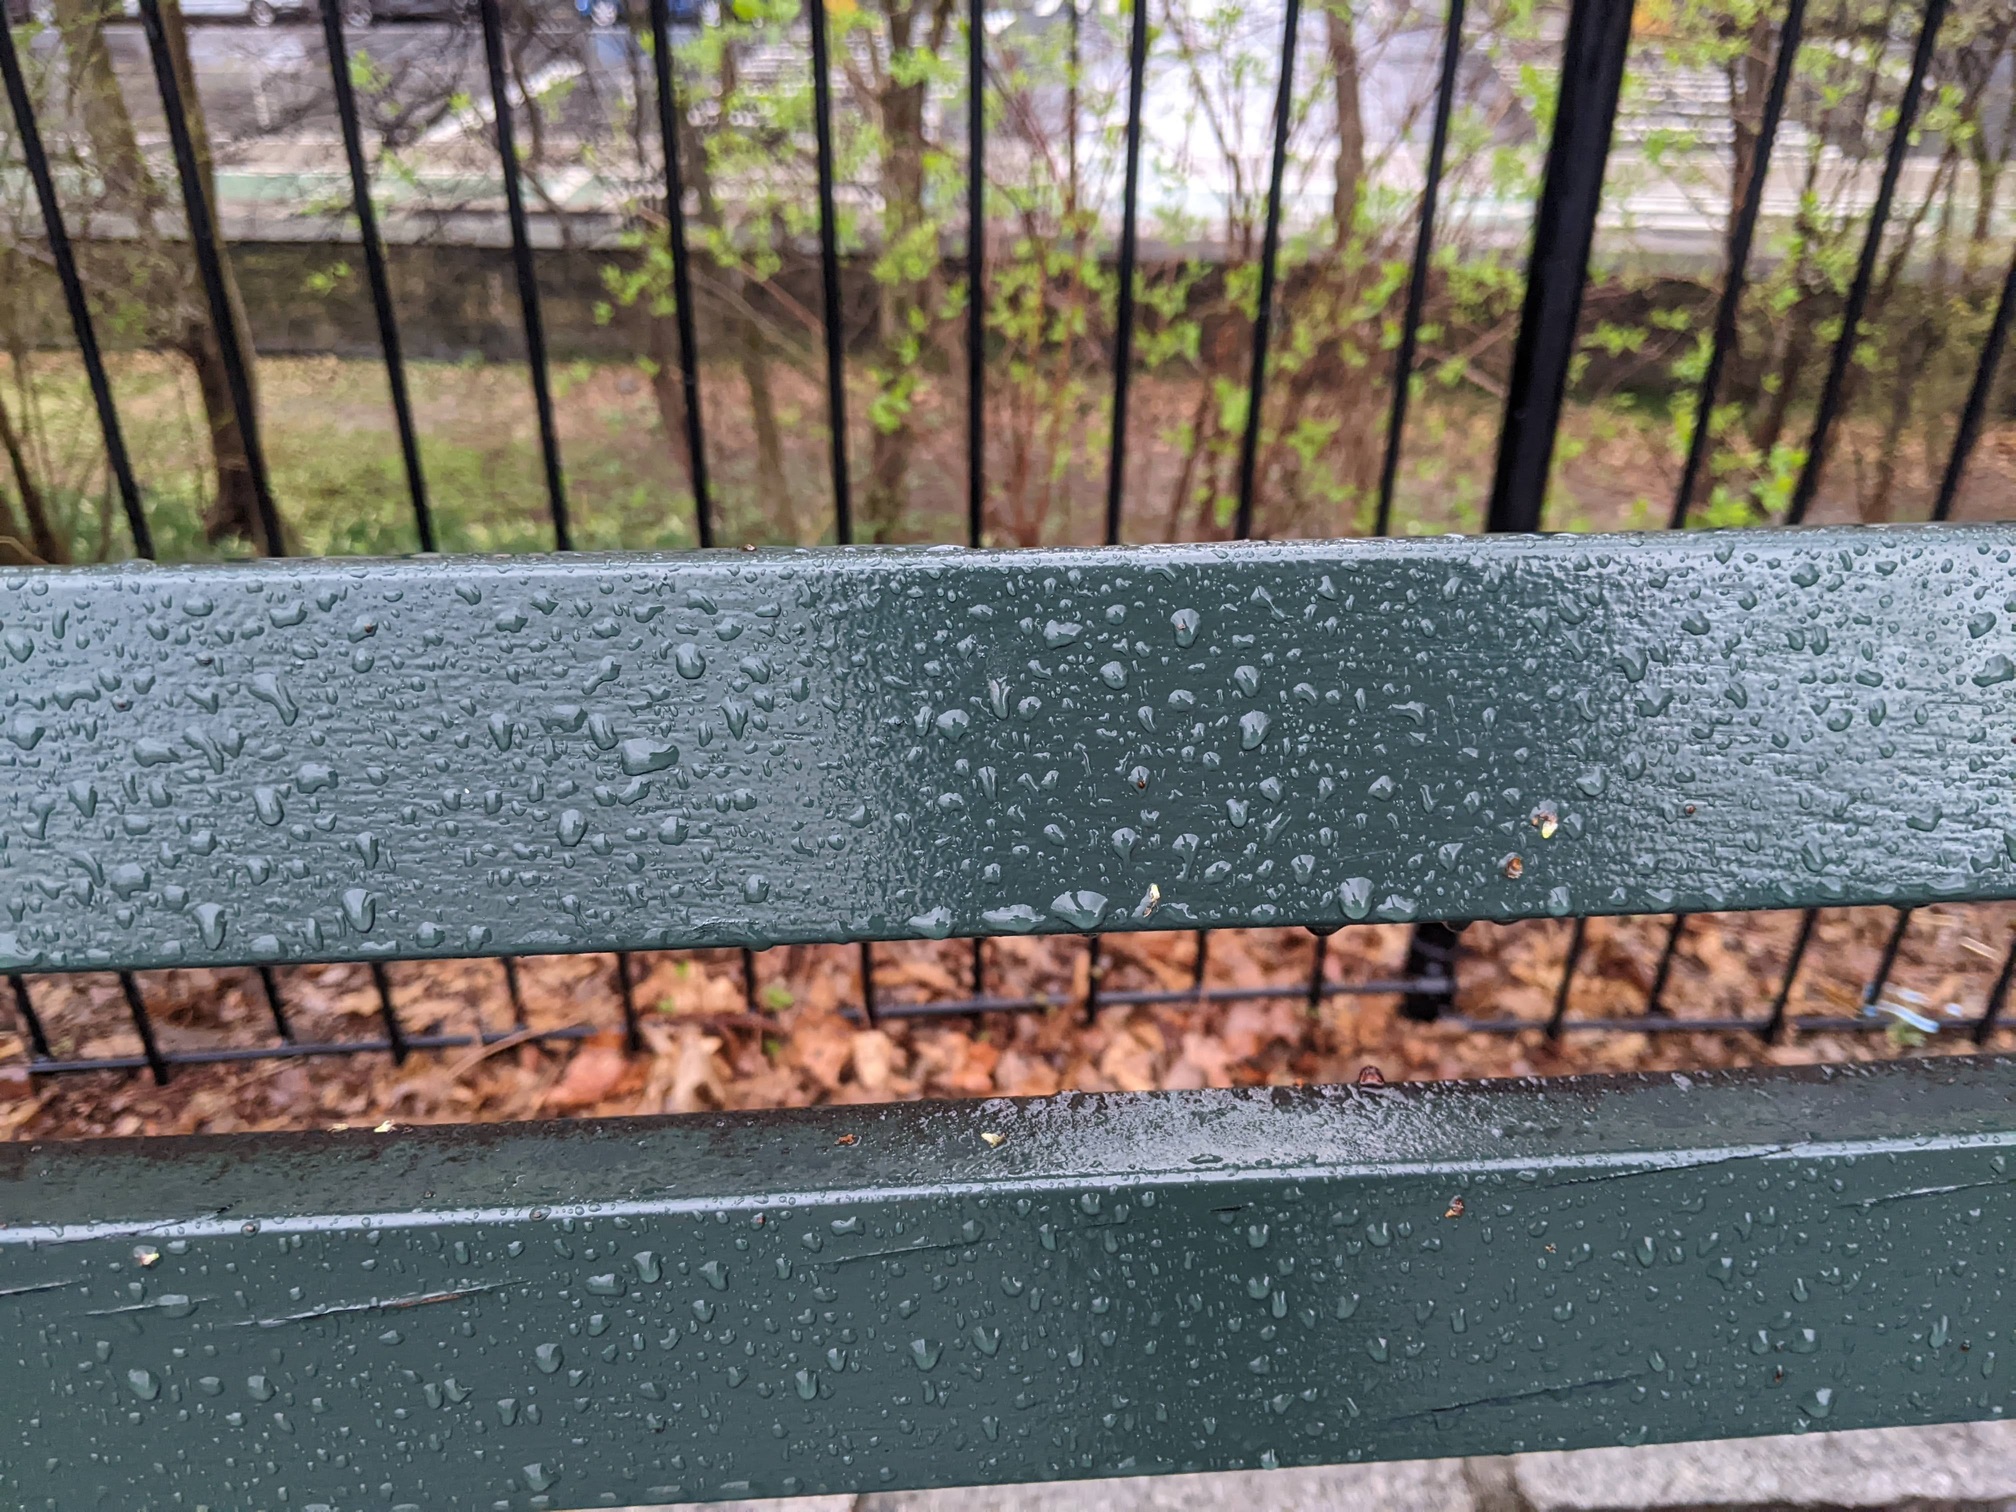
{"x": 763, "y": 416}
{"x": 235, "y": 510}
{"x": 904, "y": 306}
{"x": 42, "y": 536}
{"x": 1748, "y": 84}
{"x": 1179, "y": 495}
{"x": 94, "y": 94}
{"x": 669, "y": 392}
{"x": 163, "y": 285}
{"x": 14, "y": 549}
{"x": 1792, "y": 361}
{"x": 1349, "y": 181}
{"x": 1353, "y": 445}
{"x": 741, "y": 332}
{"x": 1988, "y": 174}
{"x": 1874, "y": 506}
{"x": 1774, "y": 405}
{"x": 1747, "y": 88}
{"x": 1918, "y": 345}
{"x": 661, "y": 336}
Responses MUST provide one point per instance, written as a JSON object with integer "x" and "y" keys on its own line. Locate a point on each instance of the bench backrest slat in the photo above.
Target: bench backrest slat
{"x": 340, "y": 760}
{"x": 867, "y": 1299}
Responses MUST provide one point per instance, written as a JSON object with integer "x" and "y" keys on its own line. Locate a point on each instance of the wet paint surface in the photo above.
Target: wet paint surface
{"x": 324, "y": 760}
{"x": 629, "y": 1311}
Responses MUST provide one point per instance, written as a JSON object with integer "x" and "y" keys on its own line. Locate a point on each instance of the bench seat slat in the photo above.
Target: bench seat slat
{"x": 859, "y": 1299}
{"x": 338, "y": 760}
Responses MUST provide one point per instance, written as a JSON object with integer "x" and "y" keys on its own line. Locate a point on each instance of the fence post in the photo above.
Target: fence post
{"x": 682, "y": 270}
{"x": 491, "y": 16}
{"x": 1564, "y": 226}
{"x": 206, "y": 238}
{"x": 1270, "y": 256}
{"x": 374, "y": 268}
{"x": 1424, "y": 247}
{"x": 829, "y": 277}
{"x": 976, "y": 272}
{"x": 1123, "y": 319}
{"x": 1431, "y": 965}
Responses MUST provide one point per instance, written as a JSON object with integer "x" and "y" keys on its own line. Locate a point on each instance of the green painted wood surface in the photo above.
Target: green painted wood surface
{"x": 329, "y": 760}
{"x": 615, "y": 1313}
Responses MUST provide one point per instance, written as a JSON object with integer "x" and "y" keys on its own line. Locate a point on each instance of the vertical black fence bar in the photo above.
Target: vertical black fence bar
{"x": 1263, "y": 313}
{"x": 1417, "y": 281}
{"x": 1200, "y": 961}
{"x": 1807, "y": 919}
{"x": 515, "y": 991}
{"x": 1655, "y": 1000}
{"x": 204, "y": 238}
{"x": 836, "y": 352}
{"x": 976, "y": 318}
{"x": 1319, "y": 950}
{"x": 1774, "y": 1027}
{"x": 143, "y": 1026}
{"x": 1123, "y": 317}
{"x": 276, "y": 1005}
{"x": 38, "y": 1036}
{"x": 626, "y": 992}
{"x": 1888, "y": 961}
{"x": 490, "y": 15}
{"x": 750, "y": 999}
{"x": 1741, "y": 234}
{"x": 829, "y": 279}
{"x": 976, "y": 271}
{"x": 1095, "y": 967}
{"x": 1832, "y": 391}
{"x": 1270, "y": 256}
{"x": 1576, "y": 939}
{"x": 374, "y": 267}
{"x": 1432, "y": 946}
{"x": 682, "y": 270}
{"x": 1123, "y": 351}
{"x": 61, "y": 253}
{"x": 1655, "y": 996}
{"x": 1998, "y": 995}
{"x": 1431, "y": 967}
{"x": 868, "y": 1004}
{"x": 1976, "y": 409}
{"x": 1564, "y": 228}
{"x": 388, "y": 1013}
{"x": 136, "y": 1004}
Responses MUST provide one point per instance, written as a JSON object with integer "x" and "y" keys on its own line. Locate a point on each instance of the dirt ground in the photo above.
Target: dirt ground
{"x": 806, "y": 1040}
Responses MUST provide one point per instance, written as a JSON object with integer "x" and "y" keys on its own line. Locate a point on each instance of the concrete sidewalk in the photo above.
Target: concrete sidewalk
{"x": 1968, "y": 1467}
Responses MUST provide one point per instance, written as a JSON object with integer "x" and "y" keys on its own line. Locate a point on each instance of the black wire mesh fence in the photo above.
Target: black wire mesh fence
{"x": 1594, "y": 53}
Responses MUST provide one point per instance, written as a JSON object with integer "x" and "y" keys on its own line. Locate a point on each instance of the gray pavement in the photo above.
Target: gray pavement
{"x": 1967, "y": 1467}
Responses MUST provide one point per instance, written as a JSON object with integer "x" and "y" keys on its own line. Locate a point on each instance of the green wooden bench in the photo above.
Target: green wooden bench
{"x": 342, "y": 761}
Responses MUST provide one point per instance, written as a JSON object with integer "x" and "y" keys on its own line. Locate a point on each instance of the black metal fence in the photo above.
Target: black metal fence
{"x": 1593, "y": 60}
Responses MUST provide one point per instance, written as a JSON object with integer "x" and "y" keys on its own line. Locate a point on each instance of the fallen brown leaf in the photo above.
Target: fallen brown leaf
{"x": 591, "y": 1075}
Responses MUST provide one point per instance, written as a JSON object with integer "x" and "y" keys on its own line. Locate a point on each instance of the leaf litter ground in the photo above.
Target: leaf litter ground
{"x": 807, "y": 1042}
